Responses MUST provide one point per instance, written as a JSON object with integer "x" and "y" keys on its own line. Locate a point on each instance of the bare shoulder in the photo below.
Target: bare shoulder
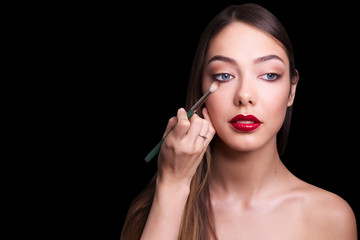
{"x": 326, "y": 214}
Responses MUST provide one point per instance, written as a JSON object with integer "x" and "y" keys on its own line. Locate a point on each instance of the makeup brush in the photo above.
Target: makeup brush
{"x": 190, "y": 113}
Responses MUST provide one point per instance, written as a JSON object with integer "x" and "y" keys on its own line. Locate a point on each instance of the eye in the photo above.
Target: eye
{"x": 270, "y": 76}
{"x": 223, "y": 77}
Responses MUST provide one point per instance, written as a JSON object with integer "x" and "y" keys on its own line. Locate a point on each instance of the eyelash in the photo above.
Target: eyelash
{"x": 216, "y": 77}
{"x": 276, "y": 76}
{"x": 229, "y": 76}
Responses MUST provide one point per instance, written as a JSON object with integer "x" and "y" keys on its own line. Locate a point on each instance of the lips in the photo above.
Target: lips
{"x": 245, "y": 123}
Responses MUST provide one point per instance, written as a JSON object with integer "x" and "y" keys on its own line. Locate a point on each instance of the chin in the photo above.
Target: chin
{"x": 243, "y": 142}
{"x": 244, "y": 147}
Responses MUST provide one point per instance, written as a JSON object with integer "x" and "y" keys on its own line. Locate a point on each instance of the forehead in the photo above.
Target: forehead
{"x": 243, "y": 42}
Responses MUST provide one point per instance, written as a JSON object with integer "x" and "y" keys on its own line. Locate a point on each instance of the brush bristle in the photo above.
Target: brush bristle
{"x": 214, "y": 86}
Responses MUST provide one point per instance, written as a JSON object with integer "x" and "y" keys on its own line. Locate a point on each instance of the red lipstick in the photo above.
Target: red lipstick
{"x": 245, "y": 123}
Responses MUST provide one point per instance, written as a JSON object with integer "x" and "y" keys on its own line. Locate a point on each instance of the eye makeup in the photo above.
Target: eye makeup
{"x": 223, "y": 77}
{"x": 268, "y": 68}
{"x": 270, "y": 76}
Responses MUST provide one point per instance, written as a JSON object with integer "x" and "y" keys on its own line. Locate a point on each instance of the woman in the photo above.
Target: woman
{"x": 238, "y": 188}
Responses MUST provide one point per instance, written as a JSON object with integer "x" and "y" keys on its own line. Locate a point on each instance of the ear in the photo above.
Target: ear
{"x": 293, "y": 85}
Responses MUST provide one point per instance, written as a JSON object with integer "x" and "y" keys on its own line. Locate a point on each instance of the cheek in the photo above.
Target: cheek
{"x": 220, "y": 106}
{"x": 214, "y": 102}
{"x": 274, "y": 105}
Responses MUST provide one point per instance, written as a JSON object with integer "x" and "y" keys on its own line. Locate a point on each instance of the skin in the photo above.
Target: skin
{"x": 253, "y": 195}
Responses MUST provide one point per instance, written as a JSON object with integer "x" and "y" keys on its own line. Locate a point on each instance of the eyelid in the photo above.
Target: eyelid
{"x": 277, "y": 76}
{"x": 217, "y": 75}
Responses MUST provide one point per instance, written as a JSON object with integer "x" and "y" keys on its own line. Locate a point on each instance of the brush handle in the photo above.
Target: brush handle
{"x": 156, "y": 149}
{"x": 190, "y": 113}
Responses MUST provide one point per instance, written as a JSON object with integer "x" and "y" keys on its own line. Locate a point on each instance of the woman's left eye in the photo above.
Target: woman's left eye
{"x": 270, "y": 76}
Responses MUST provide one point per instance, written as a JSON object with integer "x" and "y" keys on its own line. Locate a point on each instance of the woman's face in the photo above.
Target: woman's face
{"x": 253, "y": 71}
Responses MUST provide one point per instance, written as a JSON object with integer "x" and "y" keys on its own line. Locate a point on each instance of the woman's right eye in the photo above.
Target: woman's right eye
{"x": 223, "y": 77}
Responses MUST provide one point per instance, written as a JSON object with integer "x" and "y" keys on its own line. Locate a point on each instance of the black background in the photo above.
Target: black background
{"x": 143, "y": 59}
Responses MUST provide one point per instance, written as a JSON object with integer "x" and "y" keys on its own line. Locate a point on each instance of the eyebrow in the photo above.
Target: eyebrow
{"x": 267, "y": 58}
{"x": 222, "y": 58}
{"x": 256, "y": 60}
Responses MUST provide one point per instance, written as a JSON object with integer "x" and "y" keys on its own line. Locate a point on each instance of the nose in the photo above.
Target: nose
{"x": 245, "y": 94}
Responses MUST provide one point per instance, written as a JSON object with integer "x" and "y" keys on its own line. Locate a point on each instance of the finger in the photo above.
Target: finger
{"x": 203, "y": 136}
{"x": 211, "y": 130}
{"x": 205, "y": 128}
{"x": 171, "y": 124}
{"x": 195, "y": 127}
{"x": 183, "y": 124}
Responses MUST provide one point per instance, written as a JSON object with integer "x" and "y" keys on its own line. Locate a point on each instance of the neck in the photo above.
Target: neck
{"x": 247, "y": 174}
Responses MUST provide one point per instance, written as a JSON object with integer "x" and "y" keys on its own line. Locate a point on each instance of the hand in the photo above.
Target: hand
{"x": 183, "y": 149}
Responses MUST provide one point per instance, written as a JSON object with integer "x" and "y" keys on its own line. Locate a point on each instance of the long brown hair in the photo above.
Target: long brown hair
{"x": 198, "y": 219}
